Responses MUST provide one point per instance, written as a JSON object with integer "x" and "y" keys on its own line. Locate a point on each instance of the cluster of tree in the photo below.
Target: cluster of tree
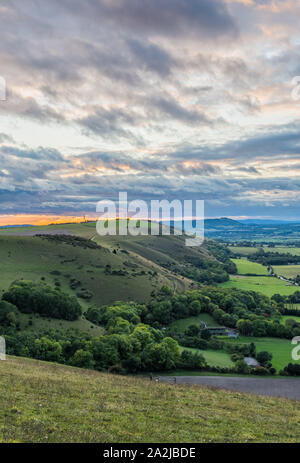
{"x": 198, "y": 338}
{"x": 273, "y": 258}
{"x": 72, "y": 240}
{"x": 9, "y": 314}
{"x": 251, "y": 313}
{"x": 292, "y": 369}
{"x": 222, "y": 254}
{"x": 143, "y": 349}
{"x": 209, "y": 267}
{"x": 39, "y": 298}
{"x": 282, "y": 301}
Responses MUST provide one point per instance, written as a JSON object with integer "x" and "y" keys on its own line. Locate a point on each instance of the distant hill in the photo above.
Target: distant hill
{"x": 49, "y": 403}
{"x": 268, "y": 222}
{"x": 222, "y": 222}
{"x": 16, "y": 226}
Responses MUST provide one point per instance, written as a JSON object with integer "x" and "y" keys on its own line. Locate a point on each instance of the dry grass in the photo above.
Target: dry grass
{"x": 43, "y": 402}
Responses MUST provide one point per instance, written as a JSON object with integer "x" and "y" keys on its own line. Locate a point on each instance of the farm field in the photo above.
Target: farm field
{"x": 287, "y": 271}
{"x": 183, "y": 324}
{"x": 44, "y": 402}
{"x": 243, "y": 250}
{"x": 245, "y": 266}
{"x": 284, "y": 250}
{"x": 280, "y": 348}
{"x": 214, "y": 358}
{"x": 265, "y": 285}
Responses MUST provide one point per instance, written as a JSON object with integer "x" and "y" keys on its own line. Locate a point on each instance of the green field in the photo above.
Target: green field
{"x": 284, "y": 250}
{"x": 183, "y": 324}
{"x": 290, "y": 317}
{"x": 265, "y": 285}
{"x": 245, "y": 266}
{"x": 287, "y": 271}
{"x": 48, "y": 403}
{"x": 242, "y": 250}
{"x": 215, "y": 358}
{"x": 280, "y": 348}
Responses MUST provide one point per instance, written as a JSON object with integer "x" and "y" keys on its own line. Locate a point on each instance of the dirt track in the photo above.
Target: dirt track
{"x": 288, "y": 388}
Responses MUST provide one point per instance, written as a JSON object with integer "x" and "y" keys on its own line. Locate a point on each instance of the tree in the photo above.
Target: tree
{"x": 83, "y": 359}
{"x": 9, "y": 314}
{"x": 193, "y": 330}
{"x": 47, "y": 349}
{"x": 31, "y": 297}
{"x": 264, "y": 357}
{"x": 163, "y": 356}
{"x": 241, "y": 367}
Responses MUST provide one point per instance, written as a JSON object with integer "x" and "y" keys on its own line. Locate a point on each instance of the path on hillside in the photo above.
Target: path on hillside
{"x": 285, "y": 387}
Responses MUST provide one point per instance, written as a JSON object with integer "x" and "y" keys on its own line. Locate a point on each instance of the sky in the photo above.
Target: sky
{"x": 163, "y": 99}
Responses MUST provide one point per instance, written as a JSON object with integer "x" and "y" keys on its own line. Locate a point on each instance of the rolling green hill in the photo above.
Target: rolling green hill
{"x": 100, "y": 270}
{"x": 44, "y": 402}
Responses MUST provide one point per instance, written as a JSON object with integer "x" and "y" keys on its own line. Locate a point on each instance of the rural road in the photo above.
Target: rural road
{"x": 288, "y": 388}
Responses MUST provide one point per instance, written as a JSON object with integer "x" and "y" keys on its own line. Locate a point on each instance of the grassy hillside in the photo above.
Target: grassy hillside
{"x": 33, "y": 258}
{"x": 42, "y": 402}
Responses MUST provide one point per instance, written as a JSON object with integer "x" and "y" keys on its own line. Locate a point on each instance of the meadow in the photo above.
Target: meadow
{"x": 46, "y": 403}
{"x": 243, "y": 250}
{"x": 287, "y": 271}
{"x": 265, "y": 285}
{"x": 246, "y": 267}
{"x": 280, "y": 348}
{"x": 294, "y": 251}
{"x": 182, "y": 324}
{"x": 214, "y": 358}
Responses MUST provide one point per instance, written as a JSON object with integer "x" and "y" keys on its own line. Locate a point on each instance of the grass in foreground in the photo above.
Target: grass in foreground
{"x": 265, "y": 285}
{"x": 41, "y": 402}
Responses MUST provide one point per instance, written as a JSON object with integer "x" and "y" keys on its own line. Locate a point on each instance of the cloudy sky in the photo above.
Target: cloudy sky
{"x": 163, "y": 99}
